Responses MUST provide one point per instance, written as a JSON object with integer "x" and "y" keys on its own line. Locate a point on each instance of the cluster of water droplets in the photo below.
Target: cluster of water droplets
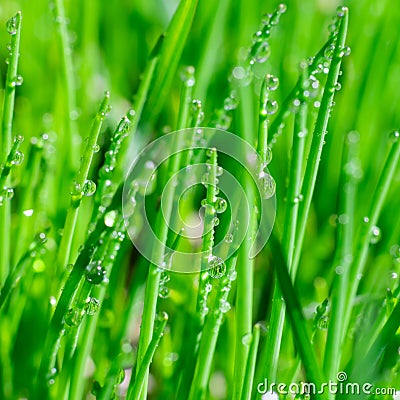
{"x": 260, "y": 50}
{"x": 321, "y": 319}
{"x": 106, "y": 187}
{"x": 15, "y": 158}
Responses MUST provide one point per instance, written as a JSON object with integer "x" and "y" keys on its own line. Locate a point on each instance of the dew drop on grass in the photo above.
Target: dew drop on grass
{"x": 272, "y": 82}
{"x": 215, "y": 221}
{"x": 231, "y": 275}
{"x": 208, "y": 287}
{"x": 267, "y": 184}
{"x": 224, "y": 306}
{"x": 6, "y": 193}
{"x": 394, "y": 136}
{"x": 73, "y": 317}
{"x": 11, "y": 26}
{"x": 323, "y": 323}
{"x": 376, "y": 235}
{"x": 91, "y": 306}
{"x": 95, "y": 273}
{"x": 163, "y": 292}
{"x": 262, "y": 53}
{"x": 220, "y": 205}
{"x": 246, "y": 339}
{"x": 89, "y": 188}
{"x": 229, "y": 238}
{"x": 217, "y": 267}
{"x": 219, "y": 171}
{"x": 346, "y": 51}
{"x": 230, "y": 103}
{"x": 340, "y": 11}
{"x": 282, "y": 8}
{"x": 109, "y": 218}
{"x": 18, "y": 158}
{"x": 271, "y": 107}
{"x": 204, "y": 179}
{"x": 96, "y": 148}
{"x": 187, "y": 76}
{"x": 329, "y": 51}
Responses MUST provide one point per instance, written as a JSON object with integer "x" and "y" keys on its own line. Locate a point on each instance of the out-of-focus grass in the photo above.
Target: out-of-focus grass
{"x": 110, "y": 46}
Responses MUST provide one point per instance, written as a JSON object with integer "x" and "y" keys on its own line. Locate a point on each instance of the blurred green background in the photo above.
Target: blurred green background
{"x": 111, "y": 42}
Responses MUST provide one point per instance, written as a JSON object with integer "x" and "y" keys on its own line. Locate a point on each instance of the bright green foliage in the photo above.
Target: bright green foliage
{"x": 313, "y": 86}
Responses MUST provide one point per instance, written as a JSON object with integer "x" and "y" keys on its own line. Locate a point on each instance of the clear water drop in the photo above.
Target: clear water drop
{"x": 329, "y": 51}
{"x": 73, "y": 317}
{"x": 220, "y": 205}
{"x": 282, "y": 8}
{"x": 17, "y": 81}
{"x": 246, "y": 339}
{"x": 163, "y": 292}
{"x": 91, "y": 306}
{"x": 217, "y": 267}
{"x": 229, "y": 238}
{"x": 323, "y": 323}
{"x": 230, "y": 103}
{"x": 394, "y": 136}
{"x": 376, "y": 235}
{"x": 224, "y": 306}
{"x": 89, "y": 188}
{"x": 208, "y": 287}
{"x": 271, "y": 82}
{"x": 262, "y": 53}
{"x": 271, "y": 107}
{"x": 215, "y": 221}
{"x": 95, "y": 273}
{"x": 346, "y": 51}
{"x": 231, "y": 275}
{"x": 110, "y": 218}
{"x": 268, "y": 185}
{"x": 187, "y": 76}
{"x": 11, "y": 25}
{"x": 96, "y": 148}
{"x": 18, "y": 158}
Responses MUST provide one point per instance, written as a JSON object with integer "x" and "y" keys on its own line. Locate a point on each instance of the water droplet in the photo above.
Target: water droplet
{"x": 268, "y": 185}
{"x": 96, "y": 148}
{"x": 346, "y": 51}
{"x": 340, "y": 11}
{"x": 282, "y": 8}
{"x": 205, "y": 179}
{"x": 109, "y": 218}
{"x": 28, "y": 213}
{"x": 271, "y": 107}
{"x": 246, "y": 339}
{"x": 231, "y": 103}
{"x": 376, "y": 235}
{"x": 215, "y": 221}
{"x": 89, "y": 188}
{"x": 91, "y": 306}
{"x": 394, "y": 136}
{"x": 208, "y": 287}
{"x": 258, "y": 37}
{"x": 11, "y": 26}
{"x": 329, "y": 51}
{"x": 40, "y": 238}
{"x": 6, "y": 193}
{"x": 95, "y": 273}
{"x": 262, "y": 53}
{"x": 220, "y": 205}
{"x": 75, "y": 191}
{"x": 224, "y": 306}
{"x": 229, "y": 238}
{"x": 163, "y": 292}
{"x": 323, "y": 323}
{"x": 231, "y": 275}
{"x": 271, "y": 82}
{"x": 73, "y": 317}
{"x": 17, "y": 159}
{"x": 217, "y": 267}
{"x": 124, "y": 125}
{"x": 187, "y": 76}
{"x": 17, "y": 81}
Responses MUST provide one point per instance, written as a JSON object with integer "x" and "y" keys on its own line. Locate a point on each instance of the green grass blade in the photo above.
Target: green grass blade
{"x": 251, "y": 364}
{"x": 174, "y": 42}
{"x": 343, "y": 256}
{"x": 319, "y": 133}
{"x": 78, "y": 190}
{"x": 378, "y": 198}
{"x": 14, "y": 28}
{"x": 141, "y": 376}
